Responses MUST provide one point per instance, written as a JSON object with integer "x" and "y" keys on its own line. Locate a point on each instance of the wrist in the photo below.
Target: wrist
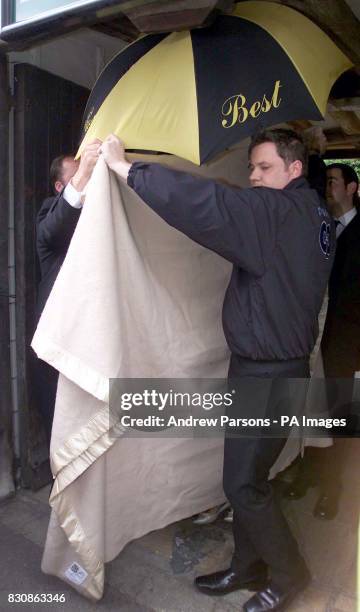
{"x": 121, "y": 168}
{"x": 79, "y": 182}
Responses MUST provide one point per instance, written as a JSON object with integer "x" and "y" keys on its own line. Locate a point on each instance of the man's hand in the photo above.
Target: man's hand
{"x": 113, "y": 152}
{"x": 89, "y": 157}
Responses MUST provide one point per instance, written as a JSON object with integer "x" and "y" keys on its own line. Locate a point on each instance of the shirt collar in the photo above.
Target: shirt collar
{"x": 347, "y": 217}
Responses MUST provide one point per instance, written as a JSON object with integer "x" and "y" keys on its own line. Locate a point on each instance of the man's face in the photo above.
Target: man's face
{"x": 268, "y": 169}
{"x": 337, "y": 193}
{"x": 69, "y": 167}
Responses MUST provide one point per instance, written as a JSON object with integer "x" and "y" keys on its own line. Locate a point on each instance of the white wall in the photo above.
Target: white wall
{"x": 78, "y": 57}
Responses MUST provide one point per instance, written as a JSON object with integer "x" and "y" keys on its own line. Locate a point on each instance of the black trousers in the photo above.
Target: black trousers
{"x": 324, "y": 466}
{"x": 47, "y": 379}
{"x": 261, "y": 534}
{"x": 341, "y": 357}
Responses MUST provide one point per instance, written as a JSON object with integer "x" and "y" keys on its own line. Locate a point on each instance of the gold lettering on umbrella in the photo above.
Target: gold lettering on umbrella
{"x": 238, "y": 111}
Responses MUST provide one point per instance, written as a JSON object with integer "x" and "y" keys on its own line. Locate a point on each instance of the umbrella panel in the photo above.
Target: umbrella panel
{"x": 114, "y": 71}
{"x": 245, "y": 82}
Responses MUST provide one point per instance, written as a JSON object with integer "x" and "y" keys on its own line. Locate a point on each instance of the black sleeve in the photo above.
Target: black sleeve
{"x": 238, "y": 224}
{"x": 56, "y": 224}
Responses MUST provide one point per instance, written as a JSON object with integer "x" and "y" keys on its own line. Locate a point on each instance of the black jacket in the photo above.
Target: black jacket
{"x": 55, "y": 225}
{"x": 340, "y": 343}
{"x": 281, "y": 243}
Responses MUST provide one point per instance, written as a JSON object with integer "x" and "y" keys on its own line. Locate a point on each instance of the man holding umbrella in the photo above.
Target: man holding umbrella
{"x": 280, "y": 239}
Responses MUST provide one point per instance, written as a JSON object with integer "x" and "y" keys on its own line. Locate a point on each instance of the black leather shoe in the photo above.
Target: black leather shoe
{"x": 274, "y": 599}
{"x": 327, "y": 506}
{"x": 227, "y": 581}
{"x": 298, "y": 488}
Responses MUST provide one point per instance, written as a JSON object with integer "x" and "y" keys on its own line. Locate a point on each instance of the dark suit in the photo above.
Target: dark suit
{"x": 340, "y": 346}
{"x": 55, "y": 225}
{"x": 340, "y": 343}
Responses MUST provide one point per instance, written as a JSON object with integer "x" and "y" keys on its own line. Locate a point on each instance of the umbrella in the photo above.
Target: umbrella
{"x": 195, "y": 93}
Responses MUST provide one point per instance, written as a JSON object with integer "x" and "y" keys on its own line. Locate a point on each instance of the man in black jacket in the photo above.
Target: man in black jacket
{"x": 279, "y": 238}
{"x": 55, "y": 226}
{"x": 58, "y": 216}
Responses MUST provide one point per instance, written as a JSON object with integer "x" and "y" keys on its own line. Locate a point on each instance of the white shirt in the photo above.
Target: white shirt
{"x": 72, "y": 196}
{"x": 344, "y": 220}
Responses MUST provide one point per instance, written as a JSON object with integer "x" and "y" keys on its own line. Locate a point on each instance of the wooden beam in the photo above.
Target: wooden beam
{"x": 336, "y": 19}
{"x": 171, "y": 15}
{"x": 121, "y": 28}
{"x": 343, "y": 153}
{"x": 348, "y": 122}
{"x": 345, "y": 104}
{"x": 336, "y": 138}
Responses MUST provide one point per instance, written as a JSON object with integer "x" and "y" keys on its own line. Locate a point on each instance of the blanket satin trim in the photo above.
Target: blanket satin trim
{"x": 71, "y": 366}
{"x": 94, "y": 566}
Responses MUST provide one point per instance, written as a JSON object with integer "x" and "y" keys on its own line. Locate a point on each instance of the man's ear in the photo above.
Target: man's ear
{"x": 351, "y": 188}
{"x": 296, "y": 168}
{"x": 58, "y": 186}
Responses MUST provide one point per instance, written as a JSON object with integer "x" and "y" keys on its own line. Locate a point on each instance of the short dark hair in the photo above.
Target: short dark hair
{"x": 350, "y": 176}
{"x": 289, "y": 145}
{"x": 56, "y": 168}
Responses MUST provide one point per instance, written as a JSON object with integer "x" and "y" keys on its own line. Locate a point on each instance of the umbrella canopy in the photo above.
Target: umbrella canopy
{"x": 195, "y": 93}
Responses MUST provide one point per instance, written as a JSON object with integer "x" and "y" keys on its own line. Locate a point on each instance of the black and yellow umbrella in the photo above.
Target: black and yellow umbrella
{"x": 195, "y": 93}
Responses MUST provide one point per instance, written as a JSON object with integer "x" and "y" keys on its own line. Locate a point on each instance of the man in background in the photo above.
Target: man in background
{"x": 340, "y": 344}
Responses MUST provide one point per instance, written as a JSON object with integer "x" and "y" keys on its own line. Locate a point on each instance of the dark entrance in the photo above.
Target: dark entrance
{"x": 48, "y": 112}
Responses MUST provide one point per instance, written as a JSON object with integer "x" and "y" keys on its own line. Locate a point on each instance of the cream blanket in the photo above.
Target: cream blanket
{"x": 134, "y": 298}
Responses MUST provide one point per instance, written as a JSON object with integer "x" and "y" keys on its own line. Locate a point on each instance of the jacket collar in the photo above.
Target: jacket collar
{"x": 298, "y": 183}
